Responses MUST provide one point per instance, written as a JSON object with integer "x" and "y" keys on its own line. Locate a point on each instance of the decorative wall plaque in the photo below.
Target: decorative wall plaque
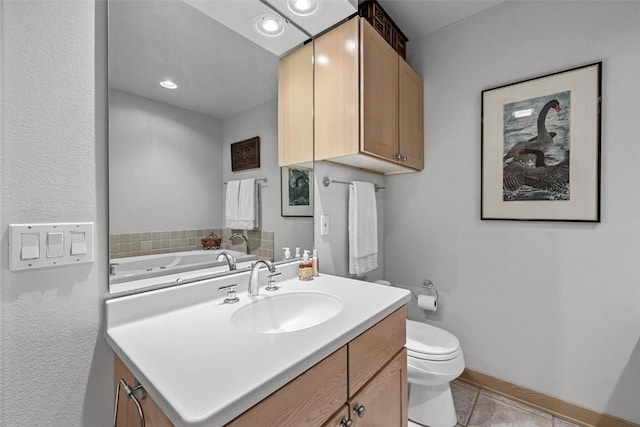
{"x": 245, "y": 154}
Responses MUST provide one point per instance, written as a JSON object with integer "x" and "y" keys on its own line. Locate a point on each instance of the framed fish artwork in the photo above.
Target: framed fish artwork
{"x": 541, "y": 148}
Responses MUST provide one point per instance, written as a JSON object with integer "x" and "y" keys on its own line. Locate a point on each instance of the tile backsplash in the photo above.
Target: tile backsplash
{"x": 160, "y": 242}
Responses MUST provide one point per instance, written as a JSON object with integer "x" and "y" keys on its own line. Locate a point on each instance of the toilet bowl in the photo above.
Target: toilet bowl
{"x": 434, "y": 359}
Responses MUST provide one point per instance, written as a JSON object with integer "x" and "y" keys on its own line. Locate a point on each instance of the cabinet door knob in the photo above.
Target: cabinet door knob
{"x": 359, "y": 410}
{"x": 404, "y": 158}
{"x": 346, "y": 422}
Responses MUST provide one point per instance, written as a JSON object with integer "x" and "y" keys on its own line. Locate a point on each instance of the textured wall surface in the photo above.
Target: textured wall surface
{"x": 55, "y": 367}
{"x": 554, "y": 307}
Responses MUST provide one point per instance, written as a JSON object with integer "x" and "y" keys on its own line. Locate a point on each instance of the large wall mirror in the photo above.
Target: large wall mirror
{"x": 169, "y": 149}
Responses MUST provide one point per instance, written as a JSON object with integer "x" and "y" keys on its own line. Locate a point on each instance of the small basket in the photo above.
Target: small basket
{"x": 211, "y": 242}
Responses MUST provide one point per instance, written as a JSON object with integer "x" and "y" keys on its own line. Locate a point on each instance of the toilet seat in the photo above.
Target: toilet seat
{"x": 428, "y": 342}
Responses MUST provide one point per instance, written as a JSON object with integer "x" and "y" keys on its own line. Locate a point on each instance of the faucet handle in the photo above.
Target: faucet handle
{"x": 271, "y": 284}
{"x": 112, "y": 268}
{"x": 231, "y": 297}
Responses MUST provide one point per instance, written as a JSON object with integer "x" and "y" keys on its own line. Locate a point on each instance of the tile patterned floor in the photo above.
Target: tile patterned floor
{"x": 481, "y": 408}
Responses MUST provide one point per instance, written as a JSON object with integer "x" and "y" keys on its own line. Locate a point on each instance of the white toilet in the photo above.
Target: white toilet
{"x": 434, "y": 359}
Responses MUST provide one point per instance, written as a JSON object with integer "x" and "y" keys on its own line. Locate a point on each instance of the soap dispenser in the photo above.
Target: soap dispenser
{"x": 305, "y": 268}
{"x": 315, "y": 263}
{"x": 287, "y": 253}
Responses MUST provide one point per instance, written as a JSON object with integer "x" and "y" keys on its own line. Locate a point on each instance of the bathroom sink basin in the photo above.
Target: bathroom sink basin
{"x": 287, "y": 312}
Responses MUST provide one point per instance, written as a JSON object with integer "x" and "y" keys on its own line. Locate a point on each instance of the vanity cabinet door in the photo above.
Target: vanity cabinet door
{"x": 309, "y": 400}
{"x": 372, "y": 349}
{"x": 382, "y": 402}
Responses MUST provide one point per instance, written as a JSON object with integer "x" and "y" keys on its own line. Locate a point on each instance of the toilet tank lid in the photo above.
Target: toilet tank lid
{"x": 428, "y": 339}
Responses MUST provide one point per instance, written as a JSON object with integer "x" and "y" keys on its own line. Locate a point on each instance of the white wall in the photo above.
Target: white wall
{"x": 333, "y": 250}
{"x": 164, "y": 159}
{"x": 55, "y": 367}
{"x": 262, "y": 121}
{"x": 554, "y": 307}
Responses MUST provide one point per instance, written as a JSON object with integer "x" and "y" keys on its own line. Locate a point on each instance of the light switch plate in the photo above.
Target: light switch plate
{"x": 48, "y": 251}
{"x": 324, "y": 225}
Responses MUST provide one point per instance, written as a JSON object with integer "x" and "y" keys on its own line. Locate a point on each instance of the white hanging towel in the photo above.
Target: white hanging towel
{"x": 363, "y": 228}
{"x": 231, "y": 204}
{"x": 248, "y": 205}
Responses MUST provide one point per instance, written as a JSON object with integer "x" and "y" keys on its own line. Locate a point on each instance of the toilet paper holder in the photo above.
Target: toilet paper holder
{"x": 431, "y": 289}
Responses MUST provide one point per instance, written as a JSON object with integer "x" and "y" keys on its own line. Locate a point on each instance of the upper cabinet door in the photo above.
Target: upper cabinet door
{"x": 336, "y": 92}
{"x": 295, "y": 107}
{"x": 379, "y": 94}
{"x": 411, "y": 116}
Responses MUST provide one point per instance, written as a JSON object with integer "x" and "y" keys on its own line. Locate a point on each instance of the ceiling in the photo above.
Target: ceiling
{"x": 417, "y": 18}
{"x": 219, "y": 72}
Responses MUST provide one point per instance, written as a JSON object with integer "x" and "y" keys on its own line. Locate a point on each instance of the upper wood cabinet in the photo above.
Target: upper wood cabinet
{"x": 368, "y": 102}
{"x": 295, "y": 107}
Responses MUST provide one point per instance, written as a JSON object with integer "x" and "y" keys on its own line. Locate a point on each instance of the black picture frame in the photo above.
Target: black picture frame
{"x": 245, "y": 154}
{"x": 538, "y": 164}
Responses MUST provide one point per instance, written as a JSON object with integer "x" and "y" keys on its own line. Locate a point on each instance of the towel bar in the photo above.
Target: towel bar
{"x": 326, "y": 181}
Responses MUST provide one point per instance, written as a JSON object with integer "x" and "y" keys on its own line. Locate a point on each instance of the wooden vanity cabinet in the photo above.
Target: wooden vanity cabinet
{"x": 368, "y": 102}
{"x": 370, "y": 372}
{"x": 308, "y": 400}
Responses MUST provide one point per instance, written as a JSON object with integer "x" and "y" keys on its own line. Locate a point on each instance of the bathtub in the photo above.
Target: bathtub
{"x": 147, "y": 266}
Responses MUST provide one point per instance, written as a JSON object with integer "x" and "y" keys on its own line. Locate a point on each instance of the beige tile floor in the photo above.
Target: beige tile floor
{"x": 481, "y": 408}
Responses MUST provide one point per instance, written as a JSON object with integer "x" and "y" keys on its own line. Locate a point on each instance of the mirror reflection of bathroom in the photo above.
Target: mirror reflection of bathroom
{"x": 179, "y": 95}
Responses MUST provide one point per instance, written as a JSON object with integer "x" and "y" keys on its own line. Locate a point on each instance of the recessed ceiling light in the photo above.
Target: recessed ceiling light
{"x": 168, "y": 84}
{"x": 269, "y": 25}
{"x": 303, "y": 7}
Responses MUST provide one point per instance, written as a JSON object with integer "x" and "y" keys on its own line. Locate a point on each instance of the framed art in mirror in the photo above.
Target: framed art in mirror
{"x": 296, "y": 191}
{"x": 245, "y": 154}
{"x": 541, "y": 148}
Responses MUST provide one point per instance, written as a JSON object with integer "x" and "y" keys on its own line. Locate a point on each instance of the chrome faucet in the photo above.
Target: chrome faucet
{"x": 246, "y": 242}
{"x": 254, "y": 285}
{"x": 226, "y": 256}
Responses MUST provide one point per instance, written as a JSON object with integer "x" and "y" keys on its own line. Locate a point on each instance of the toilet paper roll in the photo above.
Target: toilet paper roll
{"x": 428, "y": 302}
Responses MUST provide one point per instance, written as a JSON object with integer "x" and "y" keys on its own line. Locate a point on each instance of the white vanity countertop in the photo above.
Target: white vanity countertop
{"x": 202, "y": 370}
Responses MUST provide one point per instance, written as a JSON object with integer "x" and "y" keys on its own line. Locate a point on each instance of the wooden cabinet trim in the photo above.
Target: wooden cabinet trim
{"x": 380, "y": 395}
{"x": 371, "y": 350}
{"x": 378, "y": 94}
{"x": 410, "y": 115}
{"x": 308, "y": 400}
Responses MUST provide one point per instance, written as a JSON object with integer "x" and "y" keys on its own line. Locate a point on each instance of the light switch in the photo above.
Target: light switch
{"x": 55, "y": 245}
{"x": 78, "y": 243}
{"x": 324, "y": 225}
{"x": 29, "y": 246}
{"x": 33, "y": 246}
